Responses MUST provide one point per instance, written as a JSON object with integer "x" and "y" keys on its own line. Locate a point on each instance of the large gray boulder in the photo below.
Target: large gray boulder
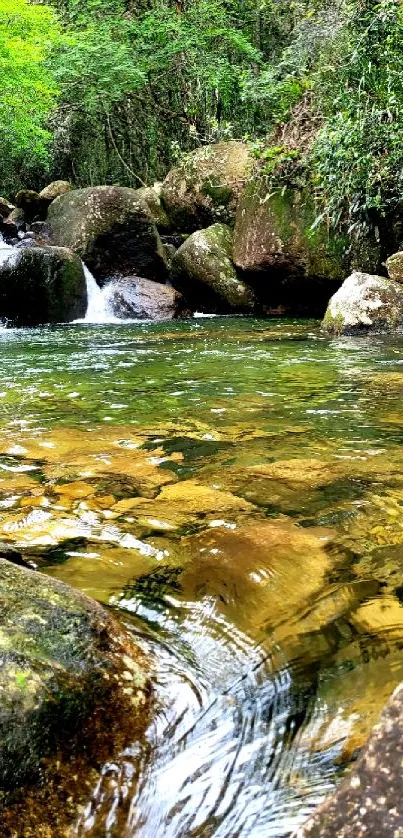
{"x": 111, "y": 229}
{"x": 365, "y": 303}
{"x": 203, "y": 271}
{"x": 369, "y": 802}
{"x": 41, "y": 285}
{"x": 64, "y": 660}
{"x": 206, "y": 185}
{"x": 136, "y": 297}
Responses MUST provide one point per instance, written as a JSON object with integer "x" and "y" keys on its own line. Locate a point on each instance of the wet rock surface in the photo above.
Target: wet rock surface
{"x": 64, "y": 661}
{"x": 369, "y": 801}
{"x": 136, "y": 297}
{"x": 41, "y": 285}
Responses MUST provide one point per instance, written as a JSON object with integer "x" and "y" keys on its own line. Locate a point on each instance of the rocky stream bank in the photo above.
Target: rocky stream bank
{"x": 213, "y": 231}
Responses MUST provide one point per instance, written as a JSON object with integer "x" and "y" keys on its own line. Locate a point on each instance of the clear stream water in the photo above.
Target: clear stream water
{"x": 233, "y": 490}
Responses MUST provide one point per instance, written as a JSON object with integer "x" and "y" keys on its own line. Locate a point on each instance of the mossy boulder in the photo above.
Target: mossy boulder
{"x": 365, "y": 303}
{"x": 65, "y": 665}
{"x": 394, "y": 266}
{"x": 111, "y": 229}
{"x": 274, "y": 232}
{"x": 41, "y": 285}
{"x": 31, "y": 204}
{"x": 5, "y": 207}
{"x": 151, "y": 195}
{"x": 203, "y": 271}
{"x": 206, "y": 185}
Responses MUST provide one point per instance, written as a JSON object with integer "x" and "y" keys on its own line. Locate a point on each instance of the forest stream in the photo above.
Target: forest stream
{"x": 232, "y": 489}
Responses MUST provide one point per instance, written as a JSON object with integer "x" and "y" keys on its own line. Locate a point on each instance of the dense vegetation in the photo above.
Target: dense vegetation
{"x": 114, "y": 91}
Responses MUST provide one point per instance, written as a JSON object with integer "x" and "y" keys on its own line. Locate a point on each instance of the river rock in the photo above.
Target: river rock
{"x": 205, "y": 186}
{"x": 203, "y": 270}
{"x": 394, "y": 266}
{"x": 64, "y": 660}
{"x": 274, "y": 232}
{"x": 151, "y": 195}
{"x": 54, "y": 190}
{"x": 369, "y": 801}
{"x": 111, "y": 229}
{"x": 5, "y": 207}
{"x": 365, "y": 303}
{"x": 137, "y": 297}
{"x": 30, "y": 203}
{"x": 41, "y": 285}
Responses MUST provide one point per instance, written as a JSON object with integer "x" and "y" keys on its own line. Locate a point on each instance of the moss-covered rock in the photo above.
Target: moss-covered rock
{"x": 394, "y": 266}
{"x": 54, "y": 190}
{"x": 206, "y": 185}
{"x": 111, "y": 229}
{"x": 65, "y": 662}
{"x": 365, "y": 303}
{"x": 41, "y": 285}
{"x": 30, "y": 203}
{"x": 203, "y": 270}
{"x": 5, "y": 207}
{"x": 151, "y": 195}
{"x": 274, "y": 231}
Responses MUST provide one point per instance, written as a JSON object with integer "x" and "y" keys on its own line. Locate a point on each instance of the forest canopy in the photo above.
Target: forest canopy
{"x": 107, "y": 91}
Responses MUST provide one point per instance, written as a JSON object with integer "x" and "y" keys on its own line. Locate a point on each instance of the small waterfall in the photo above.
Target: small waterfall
{"x": 99, "y": 301}
{"x": 8, "y": 253}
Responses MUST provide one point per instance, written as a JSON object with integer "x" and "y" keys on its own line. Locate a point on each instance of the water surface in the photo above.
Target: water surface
{"x": 232, "y": 488}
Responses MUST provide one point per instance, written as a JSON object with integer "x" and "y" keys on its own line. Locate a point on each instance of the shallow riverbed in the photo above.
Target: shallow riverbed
{"x": 233, "y": 489}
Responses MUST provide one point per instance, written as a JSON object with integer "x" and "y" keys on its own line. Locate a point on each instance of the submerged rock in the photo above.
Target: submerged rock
{"x": 140, "y": 298}
{"x": 65, "y": 662}
{"x": 203, "y": 270}
{"x": 41, "y": 285}
{"x": 369, "y": 801}
{"x": 365, "y": 303}
{"x": 111, "y": 230}
{"x": 274, "y": 231}
{"x": 206, "y": 185}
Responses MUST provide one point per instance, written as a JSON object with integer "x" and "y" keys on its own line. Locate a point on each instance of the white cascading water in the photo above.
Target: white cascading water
{"x": 99, "y": 301}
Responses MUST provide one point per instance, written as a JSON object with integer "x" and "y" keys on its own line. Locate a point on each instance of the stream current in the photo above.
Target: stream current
{"x": 232, "y": 489}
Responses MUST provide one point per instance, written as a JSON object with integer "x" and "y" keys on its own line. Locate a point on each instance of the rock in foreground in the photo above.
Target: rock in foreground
{"x": 64, "y": 662}
{"x": 204, "y": 272}
{"x": 41, "y": 285}
{"x": 369, "y": 801}
{"x": 205, "y": 186}
{"x": 365, "y": 303}
{"x": 111, "y": 229}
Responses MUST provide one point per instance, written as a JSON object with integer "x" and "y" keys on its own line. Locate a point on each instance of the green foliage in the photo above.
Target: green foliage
{"x": 358, "y": 155}
{"x": 27, "y": 89}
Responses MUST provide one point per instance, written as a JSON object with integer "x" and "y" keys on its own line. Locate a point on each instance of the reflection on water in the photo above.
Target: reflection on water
{"x": 233, "y": 489}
